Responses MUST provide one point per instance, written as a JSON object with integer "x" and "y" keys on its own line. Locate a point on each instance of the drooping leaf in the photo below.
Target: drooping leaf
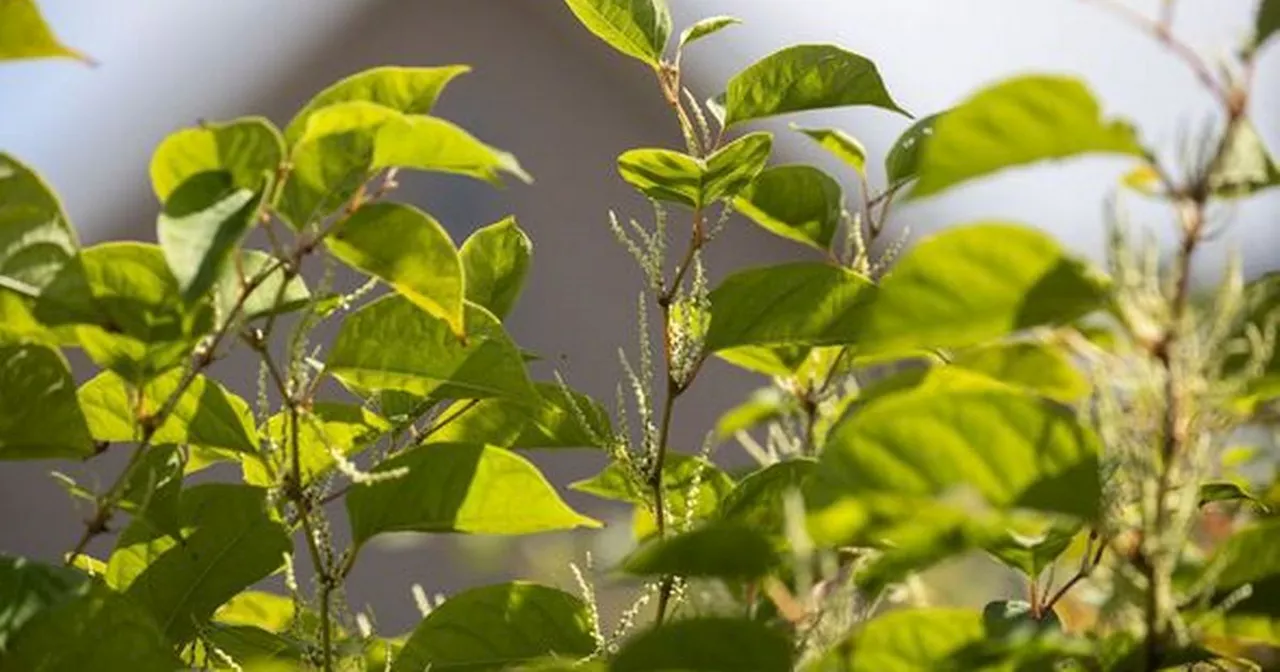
{"x": 420, "y": 142}
{"x": 203, "y": 221}
{"x": 805, "y": 77}
{"x": 797, "y": 202}
{"x": 976, "y": 283}
{"x": 464, "y": 488}
{"x": 1267, "y": 21}
{"x": 637, "y": 28}
{"x": 666, "y": 175}
{"x": 1032, "y": 549}
{"x": 757, "y": 500}
{"x": 498, "y": 627}
{"x": 795, "y": 303}
{"x": 230, "y": 543}
{"x": 24, "y": 34}
{"x": 407, "y": 249}
{"x": 706, "y": 645}
{"x": 325, "y": 430}
{"x": 902, "y": 163}
{"x": 841, "y": 145}
{"x": 1039, "y": 367}
{"x": 1246, "y": 167}
{"x": 408, "y": 90}
{"x": 39, "y": 415}
{"x": 765, "y": 404}
{"x": 495, "y": 260}
{"x": 58, "y": 620}
{"x": 36, "y": 240}
{"x": 269, "y": 297}
{"x": 704, "y": 28}
{"x": 907, "y": 640}
{"x": 966, "y": 432}
{"x": 206, "y": 414}
{"x": 682, "y": 474}
{"x": 555, "y": 420}
{"x": 1017, "y": 122}
{"x": 391, "y": 344}
{"x": 720, "y": 550}
{"x": 250, "y": 149}
{"x": 1228, "y": 491}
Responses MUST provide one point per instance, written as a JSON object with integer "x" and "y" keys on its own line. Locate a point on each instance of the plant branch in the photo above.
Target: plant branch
{"x": 1089, "y": 561}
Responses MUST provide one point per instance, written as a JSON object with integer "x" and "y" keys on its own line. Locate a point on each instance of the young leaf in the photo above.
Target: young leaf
{"x": 797, "y": 202}
{"x": 39, "y": 415}
{"x": 203, "y": 221}
{"x": 637, "y": 28}
{"x": 403, "y": 89}
{"x": 665, "y": 175}
{"x": 249, "y": 148}
{"x": 24, "y": 34}
{"x": 230, "y": 543}
{"x": 902, "y": 163}
{"x": 1012, "y": 449}
{"x": 732, "y": 167}
{"x": 206, "y": 414}
{"x": 976, "y": 283}
{"x": 262, "y": 301}
{"x": 704, "y": 28}
{"x": 57, "y": 619}
{"x": 910, "y": 639}
{"x": 1014, "y": 123}
{"x": 36, "y": 240}
{"x": 1039, "y": 367}
{"x": 409, "y": 250}
{"x": 841, "y": 145}
{"x": 465, "y": 488}
{"x": 391, "y": 344}
{"x": 497, "y": 627}
{"x": 1267, "y": 22}
{"x": 552, "y": 422}
{"x": 714, "y": 644}
{"x": 495, "y": 260}
{"x": 807, "y": 303}
{"x": 805, "y": 77}
{"x": 1246, "y": 167}
{"x": 720, "y": 550}
{"x": 328, "y": 428}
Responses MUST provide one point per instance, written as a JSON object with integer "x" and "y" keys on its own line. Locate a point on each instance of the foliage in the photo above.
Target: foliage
{"x": 988, "y": 393}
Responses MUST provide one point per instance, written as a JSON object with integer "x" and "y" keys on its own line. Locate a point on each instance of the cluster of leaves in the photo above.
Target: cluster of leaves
{"x": 966, "y": 400}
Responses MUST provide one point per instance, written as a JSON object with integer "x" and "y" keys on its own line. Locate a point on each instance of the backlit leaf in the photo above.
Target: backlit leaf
{"x": 495, "y": 260}
{"x": 249, "y": 148}
{"x": 842, "y": 145}
{"x": 704, "y": 28}
{"x": 24, "y": 34}
{"x": 637, "y": 28}
{"x": 797, "y": 202}
{"x": 796, "y": 303}
{"x": 203, "y": 221}
{"x": 39, "y": 415}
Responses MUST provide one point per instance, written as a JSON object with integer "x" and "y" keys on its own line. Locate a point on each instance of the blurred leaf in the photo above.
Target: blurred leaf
{"x": 797, "y": 202}
{"x": 764, "y": 405}
{"x": 326, "y": 429}
{"x": 757, "y": 500}
{"x": 1227, "y": 491}
{"x": 1246, "y": 167}
{"x": 906, "y": 641}
{"x": 1003, "y": 618}
{"x": 250, "y": 149}
{"x": 682, "y": 476}
{"x": 36, "y": 240}
{"x": 1031, "y": 551}
{"x": 1251, "y": 557}
{"x": 1038, "y": 367}
{"x": 1019, "y": 121}
{"x": 203, "y": 221}
{"x": 706, "y": 27}
{"x": 806, "y": 303}
{"x": 497, "y": 627}
{"x": 554, "y": 421}
{"x": 706, "y": 645}
{"x": 665, "y": 175}
{"x": 637, "y": 28}
{"x": 902, "y": 163}
{"x": 39, "y": 415}
{"x": 24, "y": 34}
{"x": 408, "y": 90}
{"x": 805, "y": 77}
{"x": 271, "y": 612}
{"x": 842, "y": 145}
{"x": 720, "y": 550}
{"x": 262, "y": 301}
{"x": 781, "y": 361}
{"x": 1267, "y": 21}
{"x": 495, "y": 260}
{"x": 459, "y": 488}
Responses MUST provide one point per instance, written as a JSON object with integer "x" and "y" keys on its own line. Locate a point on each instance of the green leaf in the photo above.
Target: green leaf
{"x": 1267, "y": 21}
{"x": 495, "y": 261}
{"x": 1246, "y": 167}
{"x": 326, "y": 430}
{"x": 1228, "y": 491}
{"x": 805, "y": 77}
{"x": 704, "y": 28}
{"x": 912, "y": 543}
{"x": 720, "y": 550}
{"x": 902, "y": 163}
{"x": 637, "y": 28}
{"x": 1038, "y": 367}
{"x": 271, "y": 612}
{"x": 781, "y": 361}
{"x": 1033, "y": 548}
{"x": 403, "y": 89}
{"x": 206, "y": 414}
{"x": 907, "y": 640}
{"x": 203, "y": 221}
{"x": 966, "y": 432}
{"x": 1017, "y": 122}
{"x": 153, "y": 491}
{"x": 409, "y": 250}
{"x": 229, "y": 544}
{"x": 36, "y": 240}
{"x": 1003, "y": 618}
{"x": 1250, "y": 557}
{"x": 497, "y": 627}
{"x": 665, "y": 175}
{"x": 58, "y": 620}
{"x": 464, "y": 488}
{"x": 268, "y": 297}
{"x": 39, "y": 415}
{"x": 391, "y": 344}
{"x": 805, "y": 303}
{"x": 24, "y": 34}
{"x": 555, "y": 420}
{"x": 841, "y": 145}
{"x": 428, "y": 143}
{"x": 682, "y": 475}
{"x": 250, "y": 149}
{"x": 757, "y": 500}
{"x": 976, "y": 283}
{"x": 765, "y": 404}
{"x": 18, "y": 323}
{"x": 706, "y": 645}
{"x": 797, "y": 202}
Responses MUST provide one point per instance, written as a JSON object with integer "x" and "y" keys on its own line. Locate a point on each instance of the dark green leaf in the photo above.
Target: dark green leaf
{"x": 554, "y": 421}
{"x": 637, "y": 28}
{"x": 249, "y": 148}
{"x": 459, "y": 488}
{"x": 24, "y": 34}
{"x": 806, "y": 303}
{"x": 1039, "y": 367}
{"x": 36, "y": 240}
{"x": 842, "y": 145}
{"x": 203, "y": 221}
{"x": 153, "y": 491}
{"x": 1003, "y": 618}
{"x": 230, "y": 543}
{"x": 409, "y": 250}
{"x": 797, "y": 202}
{"x": 495, "y": 260}
{"x": 268, "y": 297}
{"x": 704, "y": 28}
{"x": 976, "y": 283}
{"x": 805, "y": 77}
{"x": 1267, "y": 22}
{"x": 1014, "y": 123}
{"x": 721, "y": 550}
{"x": 39, "y": 414}
{"x": 497, "y": 627}
{"x": 403, "y": 89}
{"x": 206, "y": 414}
{"x": 706, "y": 645}
{"x": 325, "y": 431}
{"x": 903, "y": 160}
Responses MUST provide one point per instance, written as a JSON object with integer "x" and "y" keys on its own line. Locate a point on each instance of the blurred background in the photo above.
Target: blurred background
{"x": 545, "y": 89}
